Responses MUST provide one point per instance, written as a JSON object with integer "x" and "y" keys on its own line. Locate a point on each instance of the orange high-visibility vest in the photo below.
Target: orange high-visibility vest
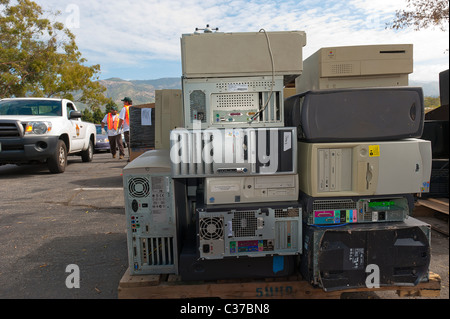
{"x": 127, "y": 114}
{"x": 113, "y": 124}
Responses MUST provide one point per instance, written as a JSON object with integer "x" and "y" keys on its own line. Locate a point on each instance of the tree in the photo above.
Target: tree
{"x": 422, "y": 14}
{"x": 98, "y": 116}
{"x": 87, "y": 116}
{"x": 39, "y": 57}
{"x": 109, "y": 105}
{"x": 95, "y": 117}
{"x": 431, "y": 102}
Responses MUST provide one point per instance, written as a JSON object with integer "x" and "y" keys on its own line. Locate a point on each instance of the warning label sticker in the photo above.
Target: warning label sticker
{"x": 374, "y": 150}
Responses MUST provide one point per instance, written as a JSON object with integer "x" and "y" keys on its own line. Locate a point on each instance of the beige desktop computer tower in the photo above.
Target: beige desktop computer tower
{"x": 154, "y": 208}
{"x": 251, "y": 189}
{"x": 367, "y": 168}
{"x": 236, "y": 54}
{"x": 168, "y": 115}
{"x": 356, "y": 66}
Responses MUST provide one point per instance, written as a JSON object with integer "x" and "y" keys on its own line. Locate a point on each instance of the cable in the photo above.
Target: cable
{"x": 273, "y": 79}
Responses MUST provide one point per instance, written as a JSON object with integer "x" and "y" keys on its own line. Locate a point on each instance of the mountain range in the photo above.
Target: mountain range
{"x": 143, "y": 91}
{"x": 140, "y": 91}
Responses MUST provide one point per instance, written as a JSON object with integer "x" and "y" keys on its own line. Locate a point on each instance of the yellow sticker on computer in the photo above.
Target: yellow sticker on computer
{"x": 374, "y": 150}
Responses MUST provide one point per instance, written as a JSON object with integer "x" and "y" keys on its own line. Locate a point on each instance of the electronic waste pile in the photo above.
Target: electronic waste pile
{"x": 257, "y": 184}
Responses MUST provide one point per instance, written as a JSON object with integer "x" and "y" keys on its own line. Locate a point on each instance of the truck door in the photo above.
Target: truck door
{"x": 77, "y": 130}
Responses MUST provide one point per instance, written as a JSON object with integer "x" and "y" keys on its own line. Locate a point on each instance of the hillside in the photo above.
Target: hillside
{"x": 140, "y": 91}
{"x": 143, "y": 91}
{"x": 429, "y": 88}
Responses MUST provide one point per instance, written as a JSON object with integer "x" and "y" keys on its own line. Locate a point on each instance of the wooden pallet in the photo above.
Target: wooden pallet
{"x": 437, "y": 204}
{"x": 433, "y": 211}
{"x": 293, "y": 287}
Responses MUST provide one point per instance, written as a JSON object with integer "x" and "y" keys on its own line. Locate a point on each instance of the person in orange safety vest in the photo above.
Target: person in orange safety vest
{"x": 114, "y": 132}
{"x": 124, "y": 121}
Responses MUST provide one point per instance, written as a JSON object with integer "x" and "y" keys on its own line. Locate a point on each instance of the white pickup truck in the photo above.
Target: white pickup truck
{"x": 43, "y": 130}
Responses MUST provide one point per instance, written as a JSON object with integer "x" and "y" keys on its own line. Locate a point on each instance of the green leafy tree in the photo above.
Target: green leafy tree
{"x": 109, "y": 105}
{"x": 98, "y": 116}
{"x": 431, "y": 102}
{"x": 39, "y": 57}
{"x": 87, "y": 116}
{"x": 422, "y": 14}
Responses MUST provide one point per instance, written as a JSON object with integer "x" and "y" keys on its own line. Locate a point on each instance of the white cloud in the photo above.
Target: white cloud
{"x": 131, "y": 33}
{"x": 378, "y": 7}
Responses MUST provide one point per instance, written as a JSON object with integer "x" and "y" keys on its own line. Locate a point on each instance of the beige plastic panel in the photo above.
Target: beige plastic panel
{"x": 356, "y": 66}
{"x": 168, "y": 115}
{"x": 376, "y": 168}
{"x": 241, "y": 54}
{"x": 228, "y": 190}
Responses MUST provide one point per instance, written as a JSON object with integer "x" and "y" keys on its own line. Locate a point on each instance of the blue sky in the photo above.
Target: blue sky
{"x": 140, "y": 39}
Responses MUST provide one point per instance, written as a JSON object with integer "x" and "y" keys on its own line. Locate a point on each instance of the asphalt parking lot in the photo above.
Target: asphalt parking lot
{"x": 48, "y": 222}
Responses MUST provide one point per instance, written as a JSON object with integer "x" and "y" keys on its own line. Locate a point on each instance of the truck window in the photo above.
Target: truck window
{"x": 70, "y": 108}
{"x": 31, "y": 107}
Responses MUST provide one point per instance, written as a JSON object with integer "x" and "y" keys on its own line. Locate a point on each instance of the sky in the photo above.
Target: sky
{"x": 140, "y": 39}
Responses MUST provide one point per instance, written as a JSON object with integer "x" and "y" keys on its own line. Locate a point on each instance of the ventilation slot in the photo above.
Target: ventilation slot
{"x": 244, "y": 224}
{"x": 367, "y": 216}
{"x": 242, "y": 101}
{"x": 286, "y": 235}
{"x": 255, "y": 85}
{"x": 334, "y": 204}
{"x": 157, "y": 251}
{"x": 343, "y": 68}
{"x": 285, "y": 213}
{"x": 138, "y": 187}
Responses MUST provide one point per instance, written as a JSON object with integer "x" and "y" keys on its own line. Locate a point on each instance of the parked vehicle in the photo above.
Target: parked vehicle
{"x": 43, "y": 130}
{"x": 102, "y": 141}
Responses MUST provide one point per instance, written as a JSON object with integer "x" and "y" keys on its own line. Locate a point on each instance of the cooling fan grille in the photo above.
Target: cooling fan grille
{"x": 245, "y": 224}
{"x": 139, "y": 187}
{"x": 211, "y": 228}
{"x": 334, "y": 204}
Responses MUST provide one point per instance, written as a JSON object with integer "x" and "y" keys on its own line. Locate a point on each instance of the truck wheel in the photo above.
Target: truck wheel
{"x": 88, "y": 154}
{"x": 58, "y": 161}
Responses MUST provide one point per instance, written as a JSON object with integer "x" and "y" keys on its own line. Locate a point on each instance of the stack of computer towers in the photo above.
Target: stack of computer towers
{"x": 236, "y": 156}
{"x": 361, "y": 164}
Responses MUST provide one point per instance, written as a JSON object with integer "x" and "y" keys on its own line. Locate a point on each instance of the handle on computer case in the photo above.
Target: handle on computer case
{"x": 369, "y": 175}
